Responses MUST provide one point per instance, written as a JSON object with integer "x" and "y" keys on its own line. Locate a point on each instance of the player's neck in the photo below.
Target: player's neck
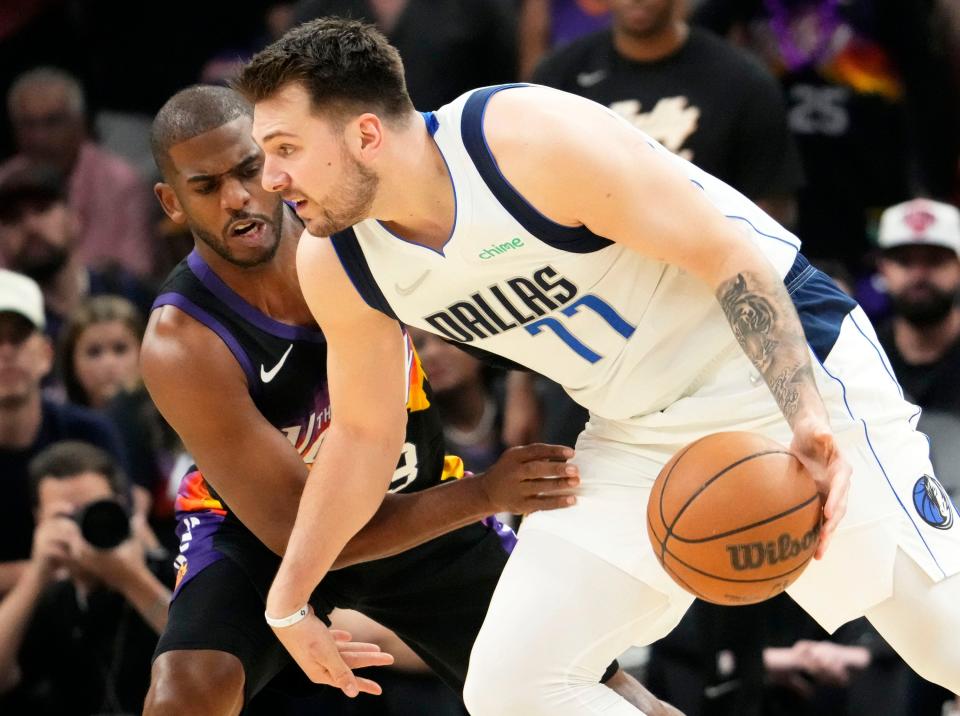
{"x": 654, "y": 47}
{"x": 271, "y": 288}
{"x": 927, "y": 344}
{"x": 416, "y": 198}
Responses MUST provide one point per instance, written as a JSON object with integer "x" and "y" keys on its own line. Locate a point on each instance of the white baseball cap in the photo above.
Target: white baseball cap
{"x": 21, "y": 294}
{"x": 920, "y": 221}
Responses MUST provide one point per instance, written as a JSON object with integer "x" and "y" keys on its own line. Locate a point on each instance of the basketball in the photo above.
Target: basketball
{"x": 734, "y": 518}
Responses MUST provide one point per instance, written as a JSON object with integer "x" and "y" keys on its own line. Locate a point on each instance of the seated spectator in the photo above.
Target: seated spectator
{"x": 99, "y": 358}
{"x": 78, "y": 630}
{"x": 870, "y": 102}
{"x": 100, "y": 350}
{"x": 852, "y": 672}
{"x": 39, "y": 237}
{"x": 462, "y": 389}
{"x": 28, "y": 421}
{"x": 920, "y": 264}
{"x": 110, "y": 200}
{"x": 547, "y": 24}
{"x": 662, "y": 75}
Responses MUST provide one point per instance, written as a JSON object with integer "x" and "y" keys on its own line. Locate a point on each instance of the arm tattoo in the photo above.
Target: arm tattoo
{"x": 760, "y": 317}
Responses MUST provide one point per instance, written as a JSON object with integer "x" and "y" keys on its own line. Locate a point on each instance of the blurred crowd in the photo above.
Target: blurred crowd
{"x": 838, "y": 117}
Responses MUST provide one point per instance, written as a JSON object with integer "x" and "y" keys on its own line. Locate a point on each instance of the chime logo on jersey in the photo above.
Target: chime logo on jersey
{"x": 494, "y": 250}
{"x": 933, "y": 503}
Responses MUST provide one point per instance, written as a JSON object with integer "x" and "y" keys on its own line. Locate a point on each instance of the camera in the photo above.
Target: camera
{"x": 104, "y": 523}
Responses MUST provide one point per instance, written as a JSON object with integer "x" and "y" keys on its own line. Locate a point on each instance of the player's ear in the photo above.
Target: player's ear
{"x": 169, "y": 201}
{"x": 369, "y": 135}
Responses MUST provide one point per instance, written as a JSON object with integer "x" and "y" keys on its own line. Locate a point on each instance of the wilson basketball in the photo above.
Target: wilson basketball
{"x": 734, "y": 518}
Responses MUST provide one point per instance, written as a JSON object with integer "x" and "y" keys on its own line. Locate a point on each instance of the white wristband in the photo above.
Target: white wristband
{"x": 297, "y": 616}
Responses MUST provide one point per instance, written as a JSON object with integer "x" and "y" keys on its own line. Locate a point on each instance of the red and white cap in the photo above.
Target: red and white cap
{"x": 920, "y": 221}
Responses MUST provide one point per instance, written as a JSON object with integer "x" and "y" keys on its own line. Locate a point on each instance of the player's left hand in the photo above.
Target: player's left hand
{"x": 815, "y": 446}
{"x": 530, "y": 478}
{"x": 328, "y": 656}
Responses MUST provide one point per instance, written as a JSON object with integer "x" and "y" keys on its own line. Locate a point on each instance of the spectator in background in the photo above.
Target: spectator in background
{"x": 39, "y": 235}
{"x": 919, "y": 242}
{"x": 110, "y": 201}
{"x": 852, "y": 672}
{"x": 447, "y": 47}
{"x": 100, "y": 351}
{"x": 78, "y": 630}
{"x": 99, "y": 357}
{"x": 462, "y": 390}
{"x": 29, "y": 422}
{"x": 546, "y": 24}
{"x": 869, "y": 100}
{"x": 703, "y": 99}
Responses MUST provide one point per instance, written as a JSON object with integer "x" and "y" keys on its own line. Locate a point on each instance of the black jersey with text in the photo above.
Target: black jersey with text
{"x": 433, "y": 596}
{"x": 709, "y": 102}
{"x": 285, "y": 367}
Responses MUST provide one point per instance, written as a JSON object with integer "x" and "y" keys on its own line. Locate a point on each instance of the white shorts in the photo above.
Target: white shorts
{"x": 895, "y": 502}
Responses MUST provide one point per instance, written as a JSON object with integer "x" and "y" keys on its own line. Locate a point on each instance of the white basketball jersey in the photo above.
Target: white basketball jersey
{"x": 624, "y": 334}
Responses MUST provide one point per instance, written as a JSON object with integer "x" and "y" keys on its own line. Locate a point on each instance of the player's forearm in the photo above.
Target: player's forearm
{"x": 346, "y": 486}
{"x": 768, "y": 329}
{"x": 405, "y": 521}
{"x": 16, "y": 611}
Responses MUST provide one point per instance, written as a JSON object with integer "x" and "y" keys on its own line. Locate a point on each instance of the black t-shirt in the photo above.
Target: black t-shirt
{"x": 932, "y": 386}
{"x": 290, "y": 388}
{"x": 83, "y": 657}
{"x": 709, "y": 102}
{"x": 871, "y": 105}
{"x": 59, "y": 422}
{"x": 935, "y": 387}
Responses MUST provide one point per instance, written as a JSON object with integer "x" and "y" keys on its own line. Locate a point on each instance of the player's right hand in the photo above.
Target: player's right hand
{"x": 816, "y": 447}
{"x": 530, "y": 478}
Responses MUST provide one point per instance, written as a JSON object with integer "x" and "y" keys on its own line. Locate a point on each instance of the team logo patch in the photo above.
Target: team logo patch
{"x": 919, "y": 220}
{"x": 933, "y": 503}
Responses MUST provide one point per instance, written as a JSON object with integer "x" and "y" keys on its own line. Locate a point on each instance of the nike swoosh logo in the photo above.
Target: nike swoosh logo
{"x": 406, "y": 291}
{"x": 267, "y": 375}
{"x": 589, "y": 79}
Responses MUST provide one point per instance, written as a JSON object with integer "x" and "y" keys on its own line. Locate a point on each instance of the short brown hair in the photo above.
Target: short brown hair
{"x": 70, "y": 458}
{"x": 344, "y": 65}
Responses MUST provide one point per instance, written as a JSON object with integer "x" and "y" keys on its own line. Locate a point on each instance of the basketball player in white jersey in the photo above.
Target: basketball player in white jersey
{"x": 539, "y": 226}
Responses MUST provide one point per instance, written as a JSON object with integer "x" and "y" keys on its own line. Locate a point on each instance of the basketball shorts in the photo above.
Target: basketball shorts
{"x": 895, "y": 501}
{"x": 434, "y": 597}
